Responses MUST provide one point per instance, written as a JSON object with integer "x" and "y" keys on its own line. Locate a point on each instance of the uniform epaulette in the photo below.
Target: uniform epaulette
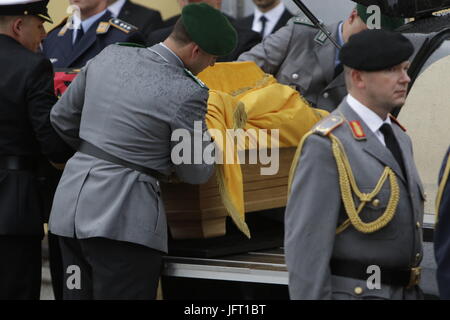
{"x": 200, "y": 82}
{"x": 394, "y": 119}
{"x": 327, "y": 125}
{"x": 122, "y": 25}
{"x": 304, "y": 21}
{"x": 130, "y": 44}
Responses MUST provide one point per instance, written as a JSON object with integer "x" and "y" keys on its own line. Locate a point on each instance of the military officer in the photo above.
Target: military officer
{"x": 442, "y": 233}
{"x": 364, "y": 240}
{"x": 77, "y": 40}
{"x": 70, "y": 45}
{"x": 302, "y": 56}
{"x": 247, "y": 38}
{"x": 108, "y": 210}
{"x": 26, "y": 97}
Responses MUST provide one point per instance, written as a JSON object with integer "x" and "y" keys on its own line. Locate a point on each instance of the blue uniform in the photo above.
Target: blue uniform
{"x": 442, "y": 234}
{"x": 59, "y": 48}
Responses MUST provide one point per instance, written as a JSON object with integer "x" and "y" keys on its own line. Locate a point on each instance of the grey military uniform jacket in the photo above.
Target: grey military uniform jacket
{"x": 315, "y": 210}
{"x": 128, "y": 102}
{"x": 299, "y": 55}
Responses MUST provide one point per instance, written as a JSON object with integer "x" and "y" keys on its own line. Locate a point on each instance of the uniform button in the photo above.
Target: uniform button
{"x": 376, "y": 202}
{"x": 295, "y": 76}
{"x": 326, "y": 95}
{"x": 417, "y": 257}
{"x": 418, "y": 224}
{"x": 358, "y": 290}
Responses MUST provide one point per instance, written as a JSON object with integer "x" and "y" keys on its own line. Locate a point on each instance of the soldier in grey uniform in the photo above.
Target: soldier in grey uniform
{"x": 120, "y": 114}
{"x": 300, "y": 55}
{"x": 364, "y": 239}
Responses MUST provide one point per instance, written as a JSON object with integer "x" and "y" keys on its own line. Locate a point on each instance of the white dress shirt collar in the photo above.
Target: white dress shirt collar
{"x": 116, "y": 7}
{"x": 370, "y": 118}
{"x": 272, "y": 19}
{"x": 85, "y": 23}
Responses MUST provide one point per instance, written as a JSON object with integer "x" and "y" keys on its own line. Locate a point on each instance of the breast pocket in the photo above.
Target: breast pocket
{"x": 300, "y": 80}
{"x": 355, "y": 289}
{"x": 374, "y": 210}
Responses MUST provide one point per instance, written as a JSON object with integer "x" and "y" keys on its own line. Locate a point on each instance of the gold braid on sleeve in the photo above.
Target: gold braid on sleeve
{"x": 348, "y": 184}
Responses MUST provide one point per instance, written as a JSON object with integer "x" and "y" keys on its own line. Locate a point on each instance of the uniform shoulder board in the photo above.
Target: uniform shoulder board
{"x": 394, "y": 119}
{"x": 122, "y": 25}
{"x": 304, "y": 21}
{"x": 327, "y": 125}
{"x": 200, "y": 82}
{"x": 130, "y": 44}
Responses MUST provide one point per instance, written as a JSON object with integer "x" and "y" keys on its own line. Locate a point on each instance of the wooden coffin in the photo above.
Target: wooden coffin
{"x": 196, "y": 211}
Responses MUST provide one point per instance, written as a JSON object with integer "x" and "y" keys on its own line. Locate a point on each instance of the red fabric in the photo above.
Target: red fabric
{"x": 62, "y": 81}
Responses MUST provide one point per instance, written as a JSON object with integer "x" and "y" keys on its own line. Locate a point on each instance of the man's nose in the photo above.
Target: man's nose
{"x": 43, "y": 35}
{"x": 405, "y": 77}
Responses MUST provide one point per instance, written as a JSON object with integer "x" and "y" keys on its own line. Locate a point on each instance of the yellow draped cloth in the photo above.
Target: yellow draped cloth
{"x": 242, "y": 96}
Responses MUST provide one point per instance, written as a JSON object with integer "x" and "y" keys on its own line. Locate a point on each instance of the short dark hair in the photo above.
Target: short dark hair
{"x": 179, "y": 33}
{"x": 4, "y": 20}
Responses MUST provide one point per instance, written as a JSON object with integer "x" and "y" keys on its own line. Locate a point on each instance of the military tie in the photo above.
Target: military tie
{"x": 392, "y": 145}
{"x": 79, "y": 35}
{"x": 263, "y": 20}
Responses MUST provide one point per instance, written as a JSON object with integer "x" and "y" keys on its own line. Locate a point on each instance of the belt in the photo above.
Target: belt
{"x": 17, "y": 163}
{"x": 396, "y": 277}
{"x": 87, "y": 148}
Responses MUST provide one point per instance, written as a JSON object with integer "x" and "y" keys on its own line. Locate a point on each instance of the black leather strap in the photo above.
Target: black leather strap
{"x": 17, "y": 163}
{"x": 357, "y": 270}
{"x": 87, "y": 148}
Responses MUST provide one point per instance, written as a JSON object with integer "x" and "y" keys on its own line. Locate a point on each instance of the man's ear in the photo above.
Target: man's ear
{"x": 357, "y": 79}
{"x": 195, "y": 50}
{"x": 17, "y": 26}
{"x": 353, "y": 16}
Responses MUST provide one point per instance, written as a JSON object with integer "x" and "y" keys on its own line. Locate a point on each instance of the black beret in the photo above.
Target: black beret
{"x": 24, "y": 8}
{"x": 377, "y": 49}
{"x": 209, "y": 28}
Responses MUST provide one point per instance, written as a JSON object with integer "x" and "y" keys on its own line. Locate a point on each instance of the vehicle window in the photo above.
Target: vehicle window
{"x": 441, "y": 52}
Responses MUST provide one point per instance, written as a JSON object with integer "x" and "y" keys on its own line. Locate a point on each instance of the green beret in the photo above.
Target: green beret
{"x": 388, "y": 23}
{"x": 209, "y": 28}
{"x": 375, "y": 50}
